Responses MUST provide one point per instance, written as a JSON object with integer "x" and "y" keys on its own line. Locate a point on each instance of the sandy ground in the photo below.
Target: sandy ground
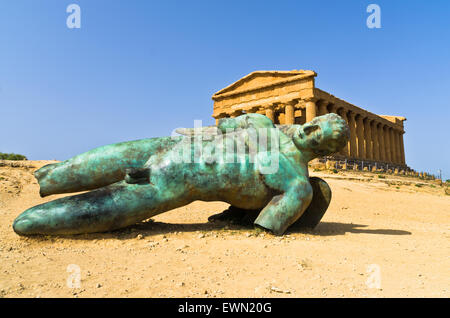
{"x": 379, "y": 238}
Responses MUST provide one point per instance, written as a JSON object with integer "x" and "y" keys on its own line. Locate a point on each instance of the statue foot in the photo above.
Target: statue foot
{"x": 234, "y": 215}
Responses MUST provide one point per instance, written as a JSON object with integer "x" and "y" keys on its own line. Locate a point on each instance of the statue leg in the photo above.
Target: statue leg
{"x": 98, "y": 167}
{"x": 309, "y": 219}
{"x": 108, "y": 208}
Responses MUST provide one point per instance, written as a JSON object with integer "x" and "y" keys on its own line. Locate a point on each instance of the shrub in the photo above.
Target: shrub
{"x": 11, "y": 156}
{"x": 381, "y": 176}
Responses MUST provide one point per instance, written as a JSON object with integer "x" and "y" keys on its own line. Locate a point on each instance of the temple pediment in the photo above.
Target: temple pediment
{"x": 262, "y": 79}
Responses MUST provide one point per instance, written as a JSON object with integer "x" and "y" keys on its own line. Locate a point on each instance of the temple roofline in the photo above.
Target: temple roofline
{"x": 296, "y": 75}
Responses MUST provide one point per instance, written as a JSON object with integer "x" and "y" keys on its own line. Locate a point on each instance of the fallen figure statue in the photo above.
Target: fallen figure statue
{"x": 246, "y": 161}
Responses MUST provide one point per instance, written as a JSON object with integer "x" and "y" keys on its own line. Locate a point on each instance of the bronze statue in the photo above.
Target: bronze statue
{"x": 133, "y": 181}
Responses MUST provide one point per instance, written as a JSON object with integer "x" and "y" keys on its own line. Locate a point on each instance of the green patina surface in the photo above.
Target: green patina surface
{"x": 133, "y": 181}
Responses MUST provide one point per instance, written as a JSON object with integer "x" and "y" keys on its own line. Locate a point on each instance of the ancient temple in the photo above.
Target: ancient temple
{"x": 290, "y": 97}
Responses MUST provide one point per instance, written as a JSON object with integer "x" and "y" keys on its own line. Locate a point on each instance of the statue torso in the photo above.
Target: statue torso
{"x": 231, "y": 168}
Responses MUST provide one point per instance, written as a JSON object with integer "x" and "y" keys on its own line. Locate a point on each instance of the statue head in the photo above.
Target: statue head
{"x": 323, "y": 135}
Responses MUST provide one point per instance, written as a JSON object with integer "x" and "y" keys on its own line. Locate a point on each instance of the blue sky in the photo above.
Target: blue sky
{"x": 139, "y": 69}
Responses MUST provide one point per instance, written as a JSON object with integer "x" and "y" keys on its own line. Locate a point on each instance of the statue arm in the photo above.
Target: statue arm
{"x": 295, "y": 195}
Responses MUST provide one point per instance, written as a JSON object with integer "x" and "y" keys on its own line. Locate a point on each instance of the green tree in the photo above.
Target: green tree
{"x": 12, "y": 156}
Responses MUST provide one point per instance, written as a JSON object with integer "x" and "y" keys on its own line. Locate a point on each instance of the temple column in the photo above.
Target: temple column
{"x": 360, "y": 137}
{"x": 270, "y": 113}
{"x": 375, "y": 144}
{"x": 391, "y": 140}
{"x": 289, "y": 117}
{"x": 368, "y": 139}
{"x": 402, "y": 148}
{"x": 352, "y": 142}
{"x": 348, "y": 123}
{"x": 393, "y": 146}
{"x": 387, "y": 144}
{"x": 311, "y": 110}
{"x": 343, "y": 113}
{"x": 399, "y": 147}
{"x": 323, "y": 107}
{"x": 395, "y": 143}
{"x": 381, "y": 143}
{"x": 331, "y": 108}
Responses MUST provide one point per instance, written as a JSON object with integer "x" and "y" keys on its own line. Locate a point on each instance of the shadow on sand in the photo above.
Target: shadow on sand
{"x": 334, "y": 228}
{"x": 150, "y": 228}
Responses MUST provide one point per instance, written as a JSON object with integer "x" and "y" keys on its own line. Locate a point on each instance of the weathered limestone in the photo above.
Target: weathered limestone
{"x": 290, "y": 97}
{"x": 311, "y": 110}
{"x": 270, "y": 113}
{"x": 345, "y": 151}
{"x": 376, "y": 145}
{"x": 330, "y": 164}
{"x": 289, "y": 118}
{"x": 381, "y": 143}
{"x": 402, "y": 149}
{"x": 392, "y": 144}
{"x": 360, "y": 137}
{"x": 368, "y": 139}
{"x": 398, "y": 147}
{"x": 387, "y": 143}
{"x": 352, "y": 125}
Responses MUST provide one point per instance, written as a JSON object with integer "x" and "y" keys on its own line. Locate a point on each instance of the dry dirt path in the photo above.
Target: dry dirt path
{"x": 396, "y": 236}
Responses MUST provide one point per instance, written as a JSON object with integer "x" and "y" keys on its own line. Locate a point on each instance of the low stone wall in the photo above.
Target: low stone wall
{"x": 337, "y": 163}
{"x": 362, "y": 165}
